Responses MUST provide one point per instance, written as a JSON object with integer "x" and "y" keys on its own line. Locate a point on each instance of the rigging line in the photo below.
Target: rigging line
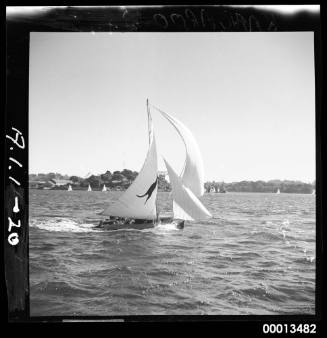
{"x": 183, "y": 170}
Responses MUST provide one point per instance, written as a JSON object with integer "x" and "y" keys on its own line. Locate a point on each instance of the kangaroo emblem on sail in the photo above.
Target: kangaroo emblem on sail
{"x": 150, "y": 190}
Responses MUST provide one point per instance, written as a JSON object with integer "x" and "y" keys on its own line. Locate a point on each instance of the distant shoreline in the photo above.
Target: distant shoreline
{"x": 121, "y": 180}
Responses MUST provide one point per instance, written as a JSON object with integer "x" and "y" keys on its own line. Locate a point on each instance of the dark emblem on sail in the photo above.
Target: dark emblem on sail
{"x": 150, "y": 190}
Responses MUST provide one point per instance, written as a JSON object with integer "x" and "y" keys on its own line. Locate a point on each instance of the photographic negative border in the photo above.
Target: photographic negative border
{"x": 208, "y": 18}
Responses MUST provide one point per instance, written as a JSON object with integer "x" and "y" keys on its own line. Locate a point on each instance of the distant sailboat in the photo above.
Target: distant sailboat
{"x": 278, "y": 191}
{"x": 89, "y": 188}
{"x": 104, "y": 188}
{"x": 137, "y": 206}
{"x": 70, "y": 188}
{"x": 313, "y": 192}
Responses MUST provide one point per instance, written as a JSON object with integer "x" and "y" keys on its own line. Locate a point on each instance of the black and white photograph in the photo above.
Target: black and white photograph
{"x": 172, "y": 173}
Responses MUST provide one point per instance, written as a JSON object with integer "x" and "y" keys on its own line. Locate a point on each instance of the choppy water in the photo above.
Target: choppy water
{"x": 256, "y": 256}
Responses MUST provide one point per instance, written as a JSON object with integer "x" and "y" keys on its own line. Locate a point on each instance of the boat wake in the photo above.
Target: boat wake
{"x": 60, "y": 224}
{"x": 167, "y": 227}
{"x": 63, "y": 224}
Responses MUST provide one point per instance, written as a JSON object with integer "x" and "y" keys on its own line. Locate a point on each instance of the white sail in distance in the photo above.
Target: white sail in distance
{"x": 185, "y": 204}
{"x": 89, "y": 188}
{"x": 104, "y": 188}
{"x": 139, "y": 200}
{"x": 193, "y": 171}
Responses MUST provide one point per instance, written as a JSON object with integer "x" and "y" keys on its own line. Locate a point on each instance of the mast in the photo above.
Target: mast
{"x": 150, "y": 131}
{"x": 149, "y": 120}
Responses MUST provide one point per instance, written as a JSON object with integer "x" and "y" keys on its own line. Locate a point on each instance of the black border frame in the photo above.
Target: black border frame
{"x": 146, "y": 19}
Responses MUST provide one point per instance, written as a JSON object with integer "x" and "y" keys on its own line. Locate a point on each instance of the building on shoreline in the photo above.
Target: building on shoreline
{"x": 60, "y": 182}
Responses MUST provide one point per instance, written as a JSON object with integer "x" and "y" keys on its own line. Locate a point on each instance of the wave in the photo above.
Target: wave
{"x": 264, "y": 235}
{"x": 262, "y": 292}
{"x": 60, "y": 287}
{"x": 305, "y": 260}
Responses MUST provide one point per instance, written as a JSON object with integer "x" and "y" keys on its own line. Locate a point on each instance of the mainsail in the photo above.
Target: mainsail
{"x": 185, "y": 204}
{"x": 89, "y": 188}
{"x": 193, "y": 172}
{"x": 139, "y": 200}
{"x": 104, "y": 188}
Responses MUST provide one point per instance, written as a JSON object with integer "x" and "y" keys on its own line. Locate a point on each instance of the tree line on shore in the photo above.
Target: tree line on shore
{"x": 117, "y": 180}
{"x": 285, "y": 186}
{"x": 121, "y": 180}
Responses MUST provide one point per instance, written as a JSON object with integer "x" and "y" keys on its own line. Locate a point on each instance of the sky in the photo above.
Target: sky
{"x": 248, "y": 98}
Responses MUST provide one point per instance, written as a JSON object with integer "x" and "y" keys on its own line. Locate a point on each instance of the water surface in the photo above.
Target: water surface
{"x": 255, "y": 256}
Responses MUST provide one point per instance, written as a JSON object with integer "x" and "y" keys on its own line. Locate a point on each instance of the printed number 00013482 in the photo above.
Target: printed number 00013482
{"x": 289, "y": 328}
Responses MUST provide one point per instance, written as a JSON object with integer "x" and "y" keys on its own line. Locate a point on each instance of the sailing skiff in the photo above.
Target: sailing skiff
{"x": 137, "y": 207}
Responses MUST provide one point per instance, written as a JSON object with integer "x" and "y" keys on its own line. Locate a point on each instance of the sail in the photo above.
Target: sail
{"x": 185, "y": 204}
{"x": 193, "y": 172}
{"x": 89, "y": 188}
{"x": 70, "y": 188}
{"x": 139, "y": 200}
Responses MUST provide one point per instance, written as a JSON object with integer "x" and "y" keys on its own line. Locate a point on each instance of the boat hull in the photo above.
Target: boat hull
{"x": 138, "y": 225}
{"x": 108, "y": 226}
